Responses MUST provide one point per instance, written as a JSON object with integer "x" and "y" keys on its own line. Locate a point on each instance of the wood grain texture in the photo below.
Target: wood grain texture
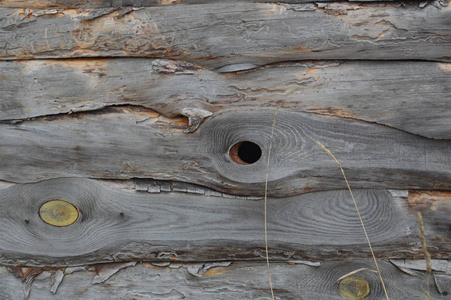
{"x": 220, "y": 34}
{"x": 237, "y": 281}
{"x": 121, "y": 226}
{"x": 129, "y": 4}
{"x": 130, "y": 142}
{"x": 411, "y": 96}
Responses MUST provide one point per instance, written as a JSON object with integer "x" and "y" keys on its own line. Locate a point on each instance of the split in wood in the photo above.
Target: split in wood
{"x": 173, "y": 88}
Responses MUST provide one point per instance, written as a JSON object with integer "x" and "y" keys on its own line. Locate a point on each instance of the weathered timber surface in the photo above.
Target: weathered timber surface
{"x": 412, "y": 96}
{"x": 95, "y": 106}
{"x": 212, "y": 281}
{"x": 131, "y": 142}
{"x": 141, "y": 3}
{"x": 219, "y": 34}
{"x": 120, "y": 225}
{"x": 434, "y": 206}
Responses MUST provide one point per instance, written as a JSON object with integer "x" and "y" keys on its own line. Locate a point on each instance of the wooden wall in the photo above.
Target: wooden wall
{"x": 129, "y": 109}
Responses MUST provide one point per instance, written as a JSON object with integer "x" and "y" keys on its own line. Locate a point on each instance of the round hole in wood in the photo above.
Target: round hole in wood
{"x": 354, "y": 288}
{"x": 245, "y": 153}
{"x": 58, "y": 213}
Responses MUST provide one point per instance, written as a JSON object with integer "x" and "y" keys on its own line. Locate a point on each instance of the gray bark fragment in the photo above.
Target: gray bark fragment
{"x": 109, "y": 271}
{"x": 57, "y": 278}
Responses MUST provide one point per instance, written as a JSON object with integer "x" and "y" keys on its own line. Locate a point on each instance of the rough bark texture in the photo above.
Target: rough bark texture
{"x": 219, "y": 281}
{"x": 222, "y": 34}
{"x": 131, "y": 4}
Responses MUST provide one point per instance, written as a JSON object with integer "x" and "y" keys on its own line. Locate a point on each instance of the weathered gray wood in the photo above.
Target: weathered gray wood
{"x": 49, "y": 4}
{"x": 121, "y": 226}
{"x": 134, "y": 144}
{"x": 398, "y": 94}
{"x": 236, "y": 281}
{"x": 130, "y": 142}
{"x": 434, "y": 206}
{"x": 220, "y": 34}
{"x": 442, "y": 266}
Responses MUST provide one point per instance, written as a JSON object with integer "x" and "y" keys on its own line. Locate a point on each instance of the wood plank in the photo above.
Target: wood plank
{"x": 49, "y": 4}
{"x": 131, "y": 142}
{"x": 244, "y": 280}
{"x": 220, "y": 34}
{"x": 120, "y": 225}
{"x": 398, "y": 94}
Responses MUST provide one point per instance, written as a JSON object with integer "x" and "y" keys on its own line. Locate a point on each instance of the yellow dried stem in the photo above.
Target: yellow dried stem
{"x": 427, "y": 256}
{"x": 360, "y": 217}
{"x": 266, "y": 202}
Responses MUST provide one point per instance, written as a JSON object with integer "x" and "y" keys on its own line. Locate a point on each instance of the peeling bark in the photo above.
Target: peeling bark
{"x": 222, "y": 34}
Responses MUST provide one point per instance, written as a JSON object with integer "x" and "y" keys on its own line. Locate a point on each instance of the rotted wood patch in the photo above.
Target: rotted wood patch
{"x": 398, "y": 94}
{"x": 116, "y": 225}
{"x": 133, "y": 142}
{"x": 244, "y": 280}
{"x": 220, "y": 34}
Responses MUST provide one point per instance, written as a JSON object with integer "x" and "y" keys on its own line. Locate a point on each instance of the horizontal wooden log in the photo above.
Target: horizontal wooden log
{"x": 134, "y": 3}
{"x": 220, "y": 34}
{"x": 398, "y": 94}
{"x": 117, "y": 225}
{"x": 131, "y": 142}
{"x": 215, "y": 281}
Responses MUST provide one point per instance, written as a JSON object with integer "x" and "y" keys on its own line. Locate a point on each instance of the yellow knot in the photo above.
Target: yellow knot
{"x": 354, "y": 288}
{"x": 58, "y": 213}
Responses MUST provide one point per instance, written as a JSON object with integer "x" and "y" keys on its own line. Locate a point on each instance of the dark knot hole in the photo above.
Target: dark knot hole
{"x": 245, "y": 153}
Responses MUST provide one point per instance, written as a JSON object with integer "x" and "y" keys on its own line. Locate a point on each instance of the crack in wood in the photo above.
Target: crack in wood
{"x": 161, "y": 186}
{"x": 342, "y": 89}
